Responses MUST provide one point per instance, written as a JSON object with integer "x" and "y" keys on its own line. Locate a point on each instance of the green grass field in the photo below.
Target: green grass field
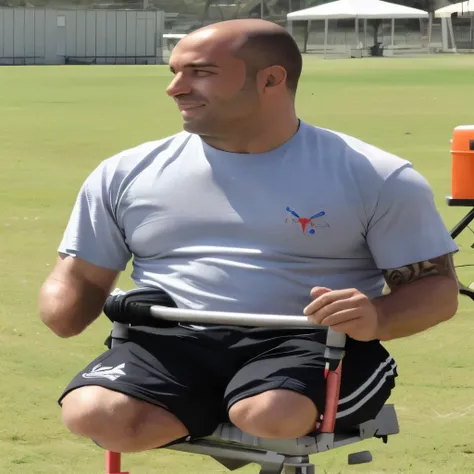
{"x": 58, "y": 123}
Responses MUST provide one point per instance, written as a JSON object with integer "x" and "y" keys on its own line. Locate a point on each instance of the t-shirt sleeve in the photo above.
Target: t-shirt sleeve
{"x": 92, "y": 232}
{"x": 406, "y": 226}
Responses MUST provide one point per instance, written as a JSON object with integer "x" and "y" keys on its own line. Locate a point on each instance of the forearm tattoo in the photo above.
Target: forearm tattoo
{"x": 396, "y": 277}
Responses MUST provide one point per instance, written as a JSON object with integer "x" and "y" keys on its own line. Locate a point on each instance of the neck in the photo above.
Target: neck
{"x": 257, "y": 136}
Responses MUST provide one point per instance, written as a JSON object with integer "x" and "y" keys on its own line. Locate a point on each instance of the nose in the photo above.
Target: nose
{"x": 179, "y": 85}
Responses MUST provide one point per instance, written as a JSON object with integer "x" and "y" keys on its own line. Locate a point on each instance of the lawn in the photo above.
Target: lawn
{"x": 58, "y": 123}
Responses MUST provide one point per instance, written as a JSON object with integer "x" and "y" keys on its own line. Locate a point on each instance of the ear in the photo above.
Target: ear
{"x": 272, "y": 77}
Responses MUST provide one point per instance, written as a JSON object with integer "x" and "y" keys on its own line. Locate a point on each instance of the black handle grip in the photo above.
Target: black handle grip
{"x": 134, "y": 305}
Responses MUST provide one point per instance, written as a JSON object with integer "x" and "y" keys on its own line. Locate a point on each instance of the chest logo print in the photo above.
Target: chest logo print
{"x": 307, "y": 224}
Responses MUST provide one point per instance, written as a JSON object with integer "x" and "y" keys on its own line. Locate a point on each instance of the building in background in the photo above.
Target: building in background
{"x": 44, "y": 32}
{"x": 145, "y": 31}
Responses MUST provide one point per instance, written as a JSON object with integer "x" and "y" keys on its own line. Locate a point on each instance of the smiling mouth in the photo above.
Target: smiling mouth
{"x": 189, "y": 106}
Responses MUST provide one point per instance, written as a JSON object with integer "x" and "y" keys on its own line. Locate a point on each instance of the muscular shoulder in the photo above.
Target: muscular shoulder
{"x": 144, "y": 154}
{"x": 115, "y": 173}
{"x": 357, "y": 157}
{"x": 372, "y": 173}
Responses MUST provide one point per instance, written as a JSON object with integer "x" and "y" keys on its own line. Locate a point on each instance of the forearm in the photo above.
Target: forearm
{"x": 413, "y": 308}
{"x": 68, "y": 309}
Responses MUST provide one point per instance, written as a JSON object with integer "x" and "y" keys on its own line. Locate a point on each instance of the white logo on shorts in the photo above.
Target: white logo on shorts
{"x": 99, "y": 372}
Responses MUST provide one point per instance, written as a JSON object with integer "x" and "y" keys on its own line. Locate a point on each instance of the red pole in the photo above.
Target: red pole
{"x": 333, "y": 387}
{"x": 112, "y": 463}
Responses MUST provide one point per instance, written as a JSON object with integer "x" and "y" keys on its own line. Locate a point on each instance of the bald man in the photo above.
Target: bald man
{"x": 249, "y": 209}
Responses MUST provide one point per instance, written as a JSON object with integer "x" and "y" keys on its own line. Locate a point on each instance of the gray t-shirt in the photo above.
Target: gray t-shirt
{"x": 254, "y": 233}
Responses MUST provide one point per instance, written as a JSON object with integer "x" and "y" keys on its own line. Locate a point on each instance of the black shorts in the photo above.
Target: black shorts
{"x": 199, "y": 374}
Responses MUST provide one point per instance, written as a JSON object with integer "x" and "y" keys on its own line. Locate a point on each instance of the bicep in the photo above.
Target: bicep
{"x": 74, "y": 294}
{"x": 76, "y": 273}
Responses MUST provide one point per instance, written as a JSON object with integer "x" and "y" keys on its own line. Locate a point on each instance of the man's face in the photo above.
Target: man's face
{"x": 211, "y": 86}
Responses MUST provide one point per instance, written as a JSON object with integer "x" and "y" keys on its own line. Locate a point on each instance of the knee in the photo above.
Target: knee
{"x": 118, "y": 422}
{"x": 92, "y": 412}
{"x": 275, "y": 414}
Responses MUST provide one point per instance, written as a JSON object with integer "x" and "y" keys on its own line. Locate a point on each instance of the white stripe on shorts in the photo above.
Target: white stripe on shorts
{"x": 352, "y": 409}
{"x": 367, "y": 382}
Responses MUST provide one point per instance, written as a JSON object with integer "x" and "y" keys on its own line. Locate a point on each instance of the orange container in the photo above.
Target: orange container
{"x": 462, "y": 151}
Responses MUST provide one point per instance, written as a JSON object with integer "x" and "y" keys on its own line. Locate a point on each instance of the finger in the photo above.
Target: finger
{"x": 336, "y": 307}
{"x": 341, "y": 317}
{"x": 318, "y": 291}
{"x": 339, "y": 307}
{"x": 325, "y": 299}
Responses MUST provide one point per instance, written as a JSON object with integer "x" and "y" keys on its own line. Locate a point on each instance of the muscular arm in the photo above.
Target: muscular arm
{"x": 73, "y": 295}
{"x": 420, "y": 296}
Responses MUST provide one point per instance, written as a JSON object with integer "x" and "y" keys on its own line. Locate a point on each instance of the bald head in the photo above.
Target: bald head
{"x": 259, "y": 43}
{"x": 237, "y": 79}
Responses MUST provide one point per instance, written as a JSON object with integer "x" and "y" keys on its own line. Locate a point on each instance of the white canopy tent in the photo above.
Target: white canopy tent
{"x": 357, "y": 9}
{"x": 464, "y": 9}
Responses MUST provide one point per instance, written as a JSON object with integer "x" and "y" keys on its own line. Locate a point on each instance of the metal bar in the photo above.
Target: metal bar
{"x": 451, "y": 34}
{"x": 299, "y": 469}
{"x": 430, "y": 28}
{"x": 237, "y": 319}
{"x": 357, "y": 40}
{"x": 471, "y": 31}
{"x": 269, "y": 461}
{"x": 393, "y": 32}
{"x": 326, "y": 28}
{"x": 462, "y": 224}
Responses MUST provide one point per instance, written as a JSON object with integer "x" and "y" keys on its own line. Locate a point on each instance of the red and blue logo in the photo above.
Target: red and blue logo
{"x": 308, "y": 224}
